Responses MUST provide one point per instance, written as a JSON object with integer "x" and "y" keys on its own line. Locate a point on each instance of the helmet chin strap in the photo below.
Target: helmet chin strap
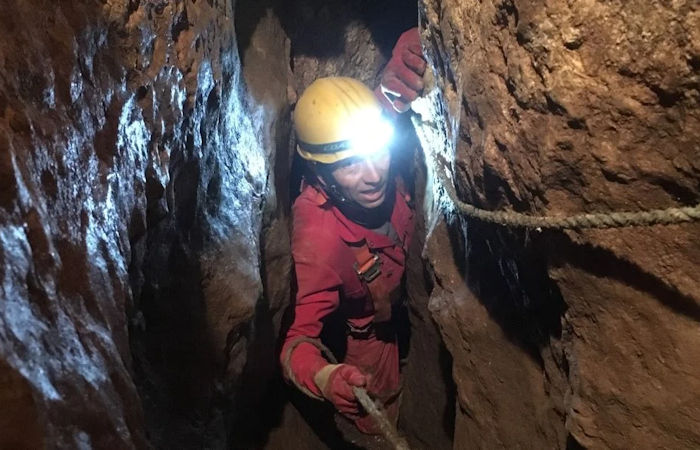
{"x": 367, "y": 217}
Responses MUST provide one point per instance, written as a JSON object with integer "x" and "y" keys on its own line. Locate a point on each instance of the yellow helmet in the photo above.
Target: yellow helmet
{"x": 338, "y": 118}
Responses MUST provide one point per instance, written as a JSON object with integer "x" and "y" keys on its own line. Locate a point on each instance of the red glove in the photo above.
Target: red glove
{"x": 336, "y": 383}
{"x": 402, "y": 79}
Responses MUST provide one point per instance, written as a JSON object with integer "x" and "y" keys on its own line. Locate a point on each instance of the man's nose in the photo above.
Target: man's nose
{"x": 371, "y": 175}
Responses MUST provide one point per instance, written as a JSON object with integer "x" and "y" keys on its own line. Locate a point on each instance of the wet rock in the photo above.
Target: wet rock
{"x": 584, "y": 337}
{"x": 134, "y": 171}
{"x": 65, "y": 221}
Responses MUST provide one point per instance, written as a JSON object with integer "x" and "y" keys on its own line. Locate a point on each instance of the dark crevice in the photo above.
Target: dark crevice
{"x": 510, "y": 274}
{"x": 180, "y": 24}
{"x": 666, "y": 98}
{"x": 604, "y": 263}
{"x": 573, "y": 444}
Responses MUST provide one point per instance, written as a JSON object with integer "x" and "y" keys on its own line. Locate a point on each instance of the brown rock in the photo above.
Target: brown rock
{"x": 591, "y": 336}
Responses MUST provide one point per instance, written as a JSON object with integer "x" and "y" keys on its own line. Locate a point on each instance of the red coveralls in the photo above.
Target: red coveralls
{"x": 326, "y": 281}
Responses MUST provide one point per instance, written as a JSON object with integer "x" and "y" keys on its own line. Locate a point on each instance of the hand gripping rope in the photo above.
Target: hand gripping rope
{"x": 375, "y": 410}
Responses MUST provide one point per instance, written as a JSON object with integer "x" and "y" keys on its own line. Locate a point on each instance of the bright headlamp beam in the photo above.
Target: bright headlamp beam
{"x": 370, "y": 134}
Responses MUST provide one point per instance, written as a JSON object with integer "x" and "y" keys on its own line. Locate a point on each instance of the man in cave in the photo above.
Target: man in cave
{"x": 352, "y": 225}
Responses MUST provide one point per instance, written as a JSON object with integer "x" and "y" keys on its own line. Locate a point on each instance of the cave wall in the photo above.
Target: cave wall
{"x": 579, "y": 338}
{"x": 135, "y": 165}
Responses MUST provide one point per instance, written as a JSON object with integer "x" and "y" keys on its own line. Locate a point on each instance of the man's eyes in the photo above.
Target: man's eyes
{"x": 351, "y": 167}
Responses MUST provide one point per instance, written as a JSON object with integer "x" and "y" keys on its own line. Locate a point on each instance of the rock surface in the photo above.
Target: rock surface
{"x": 134, "y": 167}
{"x": 567, "y": 338}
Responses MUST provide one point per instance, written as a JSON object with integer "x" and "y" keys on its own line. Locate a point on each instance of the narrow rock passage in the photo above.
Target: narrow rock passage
{"x": 147, "y": 175}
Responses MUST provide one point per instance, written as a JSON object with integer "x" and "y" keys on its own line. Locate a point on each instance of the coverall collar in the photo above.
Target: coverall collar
{"x": 353, "y": 233}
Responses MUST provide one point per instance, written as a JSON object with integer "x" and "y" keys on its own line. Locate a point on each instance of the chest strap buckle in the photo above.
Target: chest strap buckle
{"x": 370, "y": 269}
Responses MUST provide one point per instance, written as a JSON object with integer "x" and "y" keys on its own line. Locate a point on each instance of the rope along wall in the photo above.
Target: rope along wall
{"x": 436, "y": 131}
{"x": 652, "y": 217}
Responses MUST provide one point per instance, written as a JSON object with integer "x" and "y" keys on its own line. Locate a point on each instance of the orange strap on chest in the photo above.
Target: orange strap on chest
{"x": 368, "y": 267}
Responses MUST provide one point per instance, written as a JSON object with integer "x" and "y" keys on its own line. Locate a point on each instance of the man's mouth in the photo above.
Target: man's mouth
{"x": 374, "y": 194}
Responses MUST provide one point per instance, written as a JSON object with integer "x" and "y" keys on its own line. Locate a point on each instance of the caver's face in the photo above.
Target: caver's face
{"x": 364, "y": 179}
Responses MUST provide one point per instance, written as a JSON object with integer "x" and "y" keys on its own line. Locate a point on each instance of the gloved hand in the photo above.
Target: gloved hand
{"x": 336, "y": 382}
{"x": 402, "y": 79}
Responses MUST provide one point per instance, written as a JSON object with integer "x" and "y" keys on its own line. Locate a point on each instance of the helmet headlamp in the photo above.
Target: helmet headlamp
{"x": 370, "y": 132}
{"x": 338, "y": 118}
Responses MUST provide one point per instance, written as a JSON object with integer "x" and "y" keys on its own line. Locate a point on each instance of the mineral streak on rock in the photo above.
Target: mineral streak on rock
{"x": 565, "y": 107}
